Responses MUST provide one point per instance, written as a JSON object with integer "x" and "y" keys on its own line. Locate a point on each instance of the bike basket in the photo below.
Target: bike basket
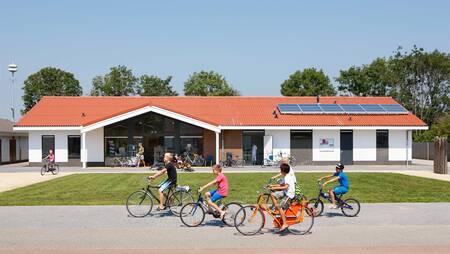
{"x": 183, "y": 188}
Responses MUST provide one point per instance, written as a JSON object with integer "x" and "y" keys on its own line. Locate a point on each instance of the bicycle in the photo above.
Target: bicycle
{"x": 350, "y": 207}
{"x": 198, "y": 159}
{"x": 299, "y": 216}
{"x": 193, "y": 214}
{"x": 140, "y": 203}
{"x": 119, "y": 161}
{"x": 234, "y": 163}
{"x": 49, "y": 167}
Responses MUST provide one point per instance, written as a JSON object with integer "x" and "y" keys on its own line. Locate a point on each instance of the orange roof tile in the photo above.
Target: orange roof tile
{"x": 224, "y": 111}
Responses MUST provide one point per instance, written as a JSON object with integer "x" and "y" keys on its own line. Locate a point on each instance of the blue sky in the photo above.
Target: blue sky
{"x": 254, "y": 44}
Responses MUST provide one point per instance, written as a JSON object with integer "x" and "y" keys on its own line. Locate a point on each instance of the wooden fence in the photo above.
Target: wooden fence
{"x": 425, "y": 151}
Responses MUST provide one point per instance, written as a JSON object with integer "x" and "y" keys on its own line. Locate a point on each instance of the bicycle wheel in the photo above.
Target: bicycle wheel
{"x": 240, "y": 163}
{"x": 305, "y": 225}
{"x": 139, "y": 204}
{"x": 43, "y": 170}
{"x": 55, "y": 170}
{"x": 177, "y": 200}
{"x": 192, "y": 214}
{"x": 249, "y": 220}
{"x": 231, "y": 210}
{"x": 317, "y": 206}
{"x": 350, "y": 207}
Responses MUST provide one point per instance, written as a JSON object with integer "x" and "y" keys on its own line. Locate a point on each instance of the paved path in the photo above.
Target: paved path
{"x": 395, "y": 228}
{"x": 9, "y": 181}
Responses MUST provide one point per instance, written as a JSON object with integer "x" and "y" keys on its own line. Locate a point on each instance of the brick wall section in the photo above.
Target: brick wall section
{"x": 209, "y": 143}
{"x": 233, "y": 142}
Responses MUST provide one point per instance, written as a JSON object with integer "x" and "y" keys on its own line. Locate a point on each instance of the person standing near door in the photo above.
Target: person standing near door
{"x": 254, "y": 150}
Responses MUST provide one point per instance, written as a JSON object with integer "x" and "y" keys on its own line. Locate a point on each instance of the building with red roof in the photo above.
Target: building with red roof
{"x": 313, "y": 130}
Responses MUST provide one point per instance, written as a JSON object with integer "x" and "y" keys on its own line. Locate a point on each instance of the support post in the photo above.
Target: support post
{"x": 217, "y": 148}
{"x": 83, "y": 150}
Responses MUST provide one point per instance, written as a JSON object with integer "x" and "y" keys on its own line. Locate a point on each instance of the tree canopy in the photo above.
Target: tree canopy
{"x": 309, "y": 82}
{"x": 439, "y": 129}
{"x": 120, "y": 81}
{"x": 49, "y": 81}
{"x": 155, "y": 86}
{"x": 419, "y": 80}
{"x": 208, "y": 84}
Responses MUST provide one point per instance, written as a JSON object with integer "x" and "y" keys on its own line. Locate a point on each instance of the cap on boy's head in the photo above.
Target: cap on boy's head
{"x": 285, "y": 168}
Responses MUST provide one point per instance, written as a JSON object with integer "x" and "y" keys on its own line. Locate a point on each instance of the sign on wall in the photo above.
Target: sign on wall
{"x": 326, "y": 144}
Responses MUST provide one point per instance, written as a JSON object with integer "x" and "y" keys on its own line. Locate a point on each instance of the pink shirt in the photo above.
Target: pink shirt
{"x": 222, "y": 183}
{"x": 51, "y": 157}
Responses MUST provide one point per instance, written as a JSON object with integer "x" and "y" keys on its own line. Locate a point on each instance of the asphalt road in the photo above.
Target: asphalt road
{"x": 387, "y": 228}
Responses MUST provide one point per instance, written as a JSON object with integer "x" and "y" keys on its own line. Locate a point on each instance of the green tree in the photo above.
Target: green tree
{"x": 49, "y": 81}
{"x": 120, "y": 81}
{"x": 374, "y": 79}
{"x": 309, "y": 82}
{"x": 440, "y": 129}
{"x": 208, "y": 84}
{"x": 419, "y": 80}
{"x": 155, "y": 86}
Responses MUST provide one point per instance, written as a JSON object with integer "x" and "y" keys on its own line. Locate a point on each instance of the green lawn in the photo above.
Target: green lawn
{"x": 113, "y": 189}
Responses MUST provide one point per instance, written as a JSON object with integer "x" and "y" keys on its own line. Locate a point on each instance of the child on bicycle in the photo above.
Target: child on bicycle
{"x": 169, "y": 182}
{"x": 220, "y": 192}
{"x": 284, "y": 192}
{"x": 343, "y": 187}
{"x": 50, "y": 158}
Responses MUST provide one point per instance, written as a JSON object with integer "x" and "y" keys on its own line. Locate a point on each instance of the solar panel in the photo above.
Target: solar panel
{"x": 394, "y": 108}
{"x": 331, "y": 108}
{"x": 341, "y": 109}
{"x": 373, "y": 108}
{"x": 310, "y": 108}
{"x": 353, "y": 108}
{"x": 289, "y": 108}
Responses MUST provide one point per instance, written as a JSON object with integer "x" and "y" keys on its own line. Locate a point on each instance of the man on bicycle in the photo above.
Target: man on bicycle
{"x": 343, "y": 187}
{"x": 284, "y": 192}
{"x": 171, "y": 180}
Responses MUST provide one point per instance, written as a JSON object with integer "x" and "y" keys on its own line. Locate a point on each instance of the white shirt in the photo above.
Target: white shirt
{"x": 290, "y": 179}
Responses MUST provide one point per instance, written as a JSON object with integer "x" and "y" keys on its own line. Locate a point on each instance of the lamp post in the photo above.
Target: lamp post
{"x": 12, "y": 68}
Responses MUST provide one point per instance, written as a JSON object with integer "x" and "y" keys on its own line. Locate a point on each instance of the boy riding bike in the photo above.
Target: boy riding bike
{"x": 343, "y": 187}
{"x": 171, "y": 178}
{"x": 219, "y": 193}
{"x": 284, "y": 192}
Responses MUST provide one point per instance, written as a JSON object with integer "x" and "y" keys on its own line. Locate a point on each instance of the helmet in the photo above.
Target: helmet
{"x": 340, "y": 166}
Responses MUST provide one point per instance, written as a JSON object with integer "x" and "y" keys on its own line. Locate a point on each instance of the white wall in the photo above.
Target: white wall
{"x": 364, "y": 145}
{"x": 35, "y": 144}
{"x": 399, "y": 145}
{"x": 320, "y": 154}
{"x": 94, "y": 145}
{"x": 281, "y": 141}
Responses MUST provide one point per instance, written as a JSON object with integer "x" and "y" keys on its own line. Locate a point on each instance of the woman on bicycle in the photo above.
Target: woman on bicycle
{"x": 171, "y": 180}
{"x": 343, "y": 187}
{"x": 220, "y": 192}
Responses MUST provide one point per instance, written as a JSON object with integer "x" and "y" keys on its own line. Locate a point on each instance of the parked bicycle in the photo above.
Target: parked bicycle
{"x": 350, "y": 207}
{"x": 193, "y": 214}
{"x": 121, "y": 161}
{"x": 49, "y": 167}
{"x": 182, "y": 164}
{"x": 140, "y": 203}
{"x": 250, "y": 219}
{"x": 195, "y": 159}
{"x": 275, "y": 160}
{"x": 237, "y": 162}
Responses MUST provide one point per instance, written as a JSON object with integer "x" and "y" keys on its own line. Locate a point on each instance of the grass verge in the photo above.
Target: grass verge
{"x": 113, "y": 189}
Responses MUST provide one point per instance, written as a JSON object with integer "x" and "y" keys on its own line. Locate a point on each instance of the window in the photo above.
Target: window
{"x": 48, "y": 143}
{"x": 74, "y": 147}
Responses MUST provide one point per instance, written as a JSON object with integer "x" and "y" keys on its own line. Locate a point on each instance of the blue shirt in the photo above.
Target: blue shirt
{"x": 343, "y": 179}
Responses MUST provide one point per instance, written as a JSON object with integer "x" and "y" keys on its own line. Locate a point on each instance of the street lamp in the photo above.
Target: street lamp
{"x": 12, "y": 68}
